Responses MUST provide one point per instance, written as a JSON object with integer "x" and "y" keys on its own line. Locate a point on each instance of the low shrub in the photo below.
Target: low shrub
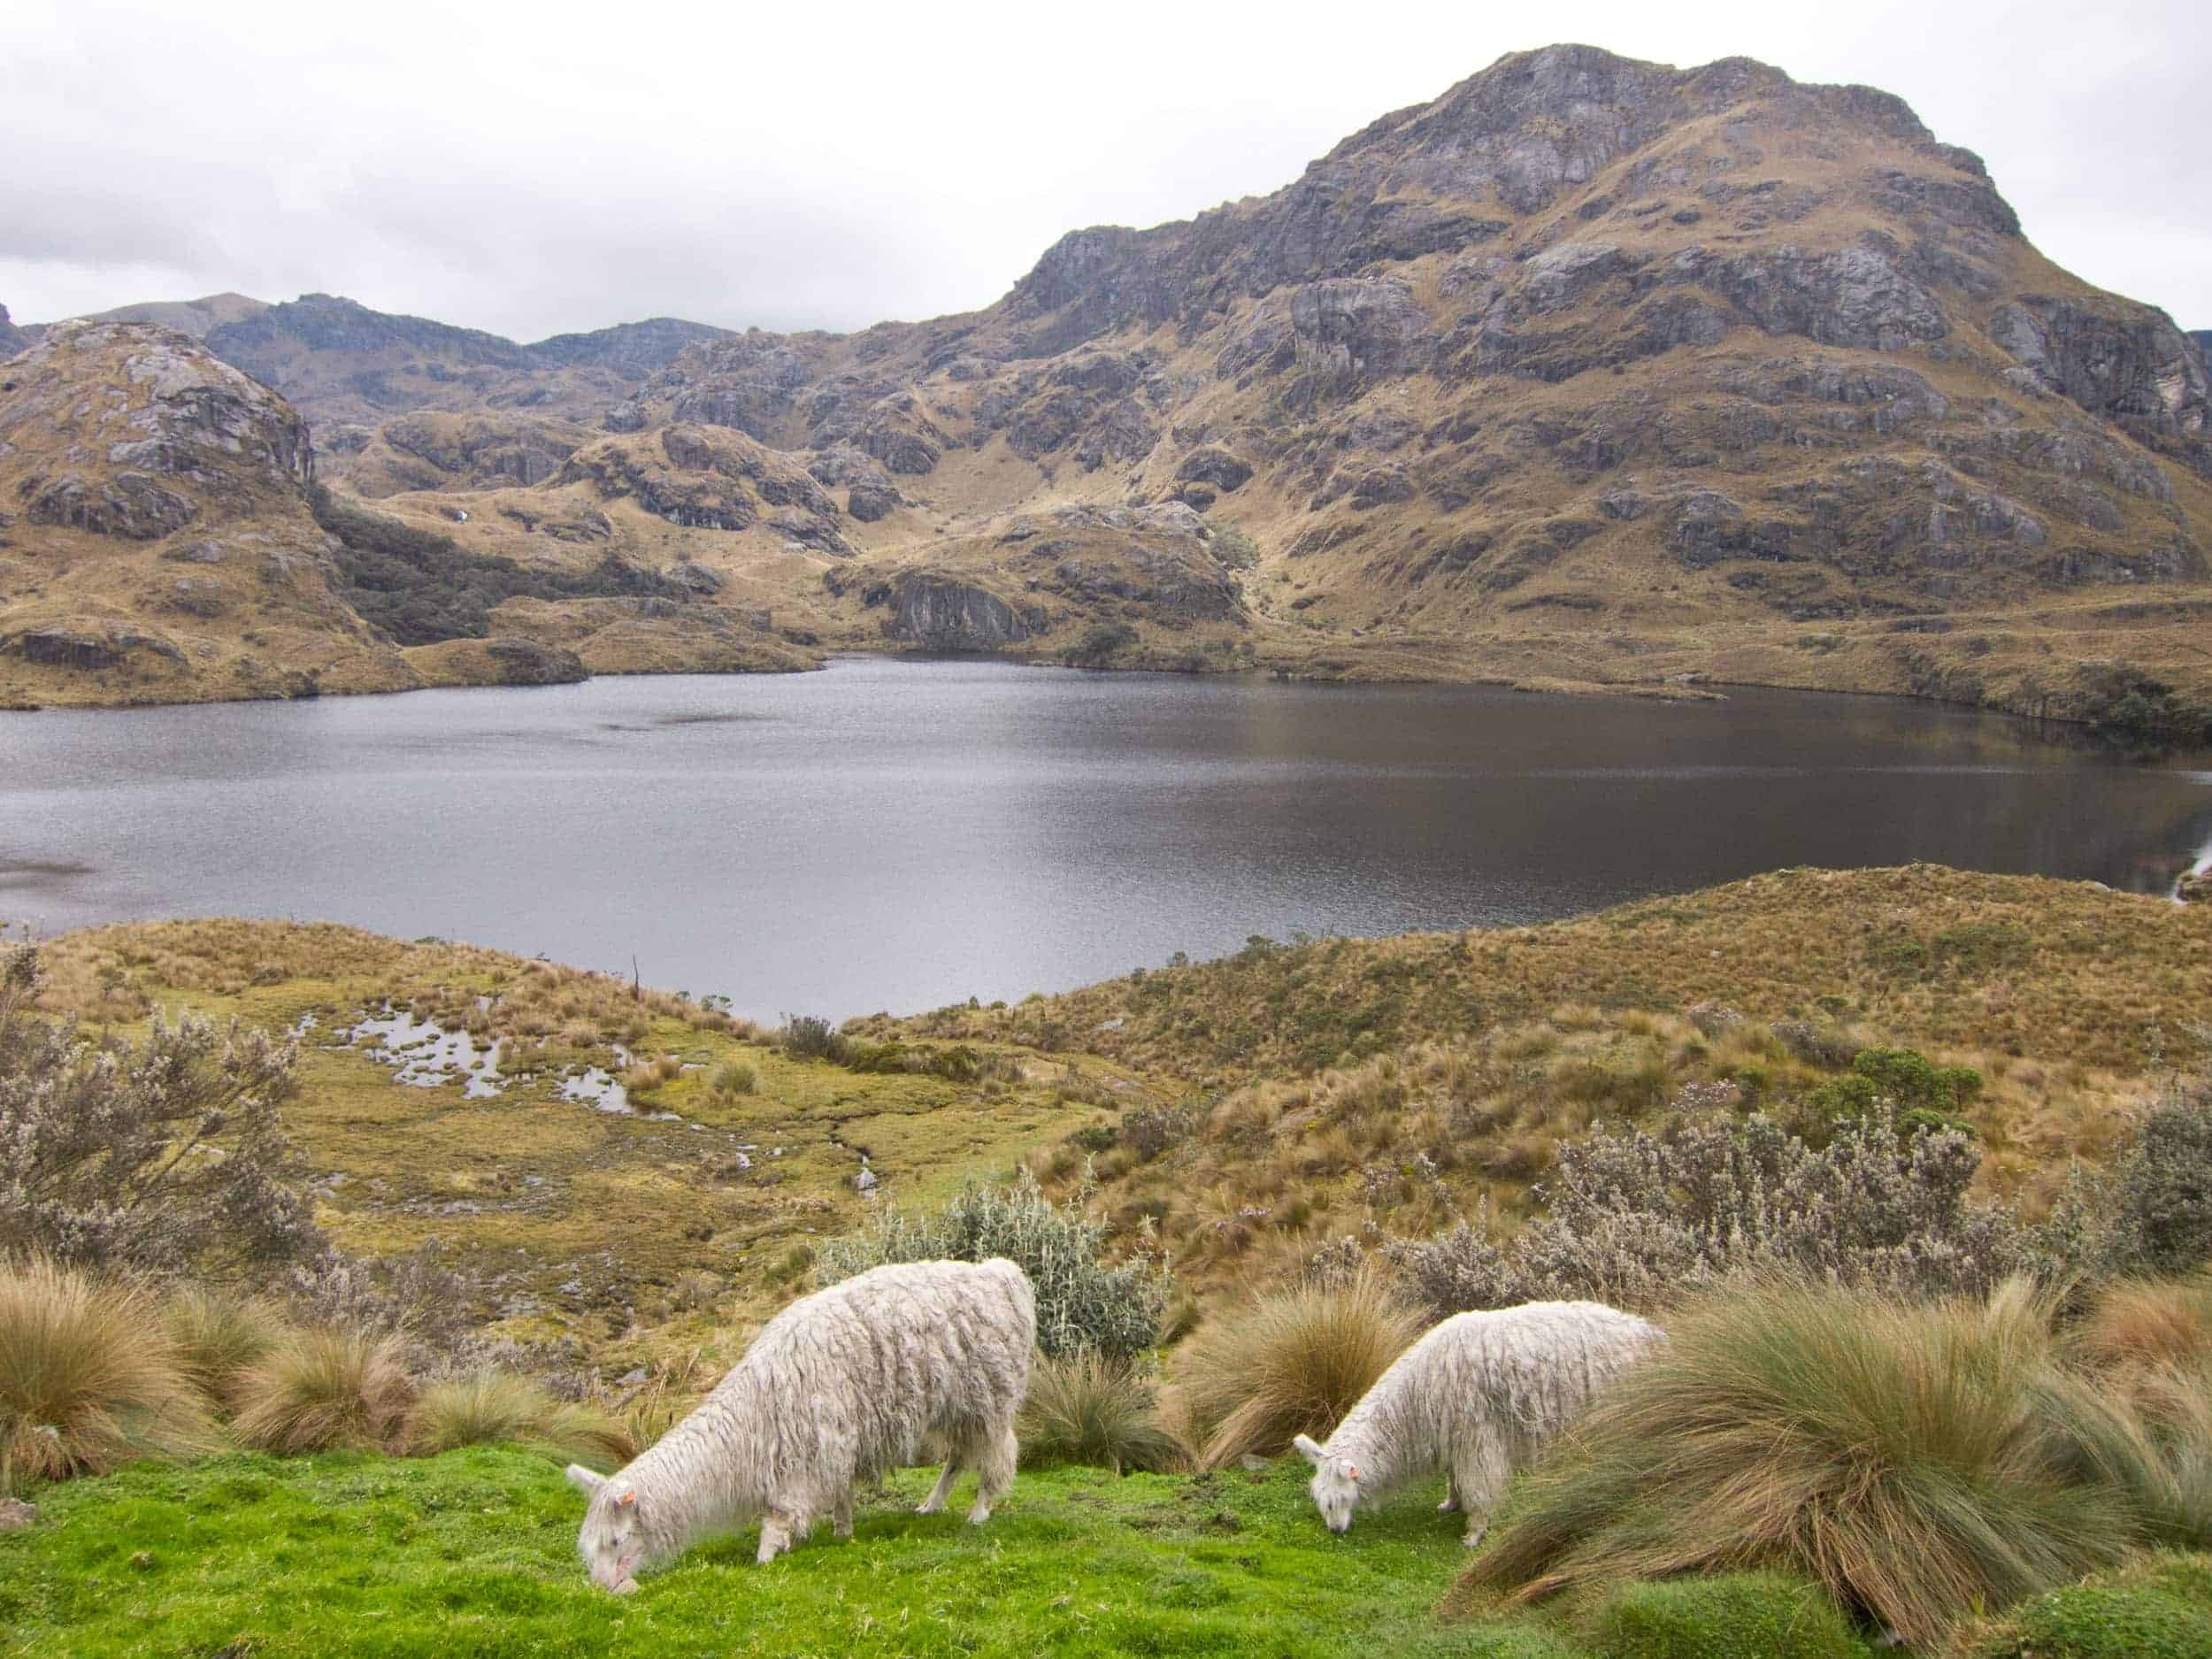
{"x": 1457, "y": 1271}
{"x": 1289, "y": 1363}
{"x": 1638, "y": 1217}
{"x": 90, "y": 1377}
{"x": 737, "y": 1077}
{"x": 326, "y": 1389}
{"x": 1085, "y": 1304}
{"x": 218, "y": 1337}
{"x": 499, "y": 1407}
{"x": 1728, "y": 1616}
{"x": 1085, "y": 1408}
{"x": 809, "y": 1037}
{"x": 2159, "y": 1607}
{"x": 2163, "y": 1188}
{"x": 1895, "y": 1453}
{"x": 98, "y": 1131}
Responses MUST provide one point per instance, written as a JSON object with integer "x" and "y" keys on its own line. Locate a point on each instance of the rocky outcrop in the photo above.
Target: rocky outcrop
{"x": 2124, "y": 362}
{"x": 946, "y": 614}
{"x": 88, "y": 651}
{"x": 703, "y": 478}
{"x": 12, "y": 339}
{"x": 173, "y": 433}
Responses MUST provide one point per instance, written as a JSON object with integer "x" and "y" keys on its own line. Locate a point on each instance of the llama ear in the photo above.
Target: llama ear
{"x": 584, "y": 1480}
{"x": 1308, "y": 1449}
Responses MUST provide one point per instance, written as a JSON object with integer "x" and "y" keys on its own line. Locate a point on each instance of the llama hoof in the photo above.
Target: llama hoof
{"x": 1474, "y": 1537}
{"x": 930, "y": 1506}
{"x": 978, "y": 1516}
{"x": 1451, "y": 1506}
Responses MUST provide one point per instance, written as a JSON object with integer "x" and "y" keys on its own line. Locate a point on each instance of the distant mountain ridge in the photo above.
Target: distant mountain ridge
{"x": 342, "y": 362}
{"x": 1588, "y": 371}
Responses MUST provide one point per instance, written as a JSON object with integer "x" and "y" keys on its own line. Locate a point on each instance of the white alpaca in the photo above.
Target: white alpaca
{"x": 1476, "y": 1397}
{"x": 837, "y": 1388}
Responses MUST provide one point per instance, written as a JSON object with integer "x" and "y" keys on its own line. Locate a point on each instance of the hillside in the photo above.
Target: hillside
{"x": 1274, "y": 1084}
{"x": 157, "y": 540}
{"x": 456, "y": 1111}
{"x": 1590, "y": 371}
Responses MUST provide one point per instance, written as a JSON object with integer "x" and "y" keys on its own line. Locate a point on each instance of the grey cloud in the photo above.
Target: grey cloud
{"x": 529, "y": 171}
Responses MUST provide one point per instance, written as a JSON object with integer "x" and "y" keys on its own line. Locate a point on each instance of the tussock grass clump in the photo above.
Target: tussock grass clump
{"x": 1901, "y": 1455}
{"x": 499, "y": 1407}
{"x": 1290, "y": 1363}
{"x": 323, "y": 1388}
{"x": 1089, "y": 1409}
{"x": 219, "y": 1338}
{"x": 736, "y": 1076}
{"x": 90, "y": 1377}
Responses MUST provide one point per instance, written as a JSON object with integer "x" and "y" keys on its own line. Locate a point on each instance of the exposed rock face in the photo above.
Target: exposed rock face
{"x": 12, "y": 339}
{"x": 947, "y": 615}
{"x": 702, "y": 478}
{"x": 431, "y": 449}
{"x": 85, "y": 652}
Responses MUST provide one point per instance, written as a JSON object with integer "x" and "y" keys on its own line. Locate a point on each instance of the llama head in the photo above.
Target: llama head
{"x": 1335, "y": 1487}
{"x": 612, "y": 1538}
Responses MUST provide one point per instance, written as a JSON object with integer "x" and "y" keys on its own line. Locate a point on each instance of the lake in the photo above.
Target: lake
{"x": 901, "y": 833}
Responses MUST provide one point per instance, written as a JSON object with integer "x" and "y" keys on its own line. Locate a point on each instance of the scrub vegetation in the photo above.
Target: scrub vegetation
{"x": 1914, "y": 1166}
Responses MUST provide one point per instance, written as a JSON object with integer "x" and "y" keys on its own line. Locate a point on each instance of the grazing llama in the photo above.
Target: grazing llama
{"x": 1476, "y": 1397}
{"x": 836, "y": 1389}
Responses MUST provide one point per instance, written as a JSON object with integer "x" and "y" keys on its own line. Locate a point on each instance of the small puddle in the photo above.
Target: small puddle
{"x": 424, "y": 1054}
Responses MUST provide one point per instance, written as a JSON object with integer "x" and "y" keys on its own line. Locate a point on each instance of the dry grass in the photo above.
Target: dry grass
{"x": 90, "y": 1377}
{"x": 497, "y": 1408}
{"x": 2163, "y": 1323}
{"x": 324, "y": 1390}
{"x": 2061, "y": 973}
{"x": 1288, "y": 1363}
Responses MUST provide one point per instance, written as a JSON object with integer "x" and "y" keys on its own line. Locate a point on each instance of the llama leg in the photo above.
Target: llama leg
{"x": 775, "y": 1537}
{"x": 1479, "y": 1475}
{"x": 934, "y": 1504}
{"x": 1451, "y": 1506}
{"x": 841, "y": 1518}
{"x": 1000, "y": 1454}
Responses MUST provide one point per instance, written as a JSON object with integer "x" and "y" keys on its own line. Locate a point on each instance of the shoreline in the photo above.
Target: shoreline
{"x": 2059, "y": 730}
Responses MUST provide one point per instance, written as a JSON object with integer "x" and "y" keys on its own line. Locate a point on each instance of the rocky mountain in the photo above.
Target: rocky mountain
{"x": 155, "y": 535}
{"x": 163, "y": 539}
{"x": 344, "y": 364}
{"x": 12, "y": 339}
{"x": 1589, "y": 372}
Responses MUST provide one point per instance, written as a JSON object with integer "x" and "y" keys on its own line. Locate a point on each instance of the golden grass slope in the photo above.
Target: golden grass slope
{"x": 635, "y": 1233}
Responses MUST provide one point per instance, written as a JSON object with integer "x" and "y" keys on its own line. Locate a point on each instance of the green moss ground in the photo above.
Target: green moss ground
{"x": 472, "y": 1553}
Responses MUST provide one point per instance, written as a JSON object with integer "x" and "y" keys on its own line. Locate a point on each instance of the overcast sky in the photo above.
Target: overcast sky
{"x": 536, "y": 168}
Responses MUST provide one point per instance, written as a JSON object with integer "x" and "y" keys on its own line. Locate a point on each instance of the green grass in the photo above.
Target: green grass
{"x": 473, "y": 1554}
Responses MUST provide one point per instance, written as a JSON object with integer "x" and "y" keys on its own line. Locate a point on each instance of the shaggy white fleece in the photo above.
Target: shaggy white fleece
{"x": 837, "y": 1388}
{"x": 1476, "y": 1397}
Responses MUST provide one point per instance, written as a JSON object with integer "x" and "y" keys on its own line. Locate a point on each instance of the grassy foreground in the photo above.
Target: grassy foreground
{"x": 473, "y": 1554}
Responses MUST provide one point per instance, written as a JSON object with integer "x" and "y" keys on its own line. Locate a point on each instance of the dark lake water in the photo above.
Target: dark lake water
{"x": 903, "y": 834}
